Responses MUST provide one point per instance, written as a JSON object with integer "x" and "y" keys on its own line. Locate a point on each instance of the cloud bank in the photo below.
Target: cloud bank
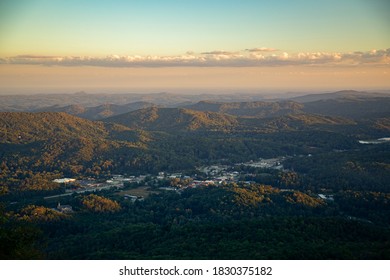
{"x": 256, "y": 57}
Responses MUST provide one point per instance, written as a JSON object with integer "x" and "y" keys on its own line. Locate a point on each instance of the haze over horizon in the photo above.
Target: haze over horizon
{"x": 193, "y": 46}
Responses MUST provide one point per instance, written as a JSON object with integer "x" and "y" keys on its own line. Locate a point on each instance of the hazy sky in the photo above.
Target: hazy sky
{"x": 160, "y": 45}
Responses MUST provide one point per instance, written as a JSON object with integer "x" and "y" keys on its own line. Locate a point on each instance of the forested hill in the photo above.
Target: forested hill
{"x": 354, "y": 107}
{"x": 34, "y": 143}
{"x": 254, "y": 109}
{"x": 29, "y": 127}
{"x": 96, "y": 112}
{"x": 343, "y": 94}
{"x": 179, "y": 120}
{"x": 174, "y": 119}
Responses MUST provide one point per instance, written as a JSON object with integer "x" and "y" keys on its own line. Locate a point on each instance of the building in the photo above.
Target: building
{"x": 66, "y": 209}
{"x": 64, "y": 180}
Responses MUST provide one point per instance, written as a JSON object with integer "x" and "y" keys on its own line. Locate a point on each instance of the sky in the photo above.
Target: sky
{"x": 148, "y": 46}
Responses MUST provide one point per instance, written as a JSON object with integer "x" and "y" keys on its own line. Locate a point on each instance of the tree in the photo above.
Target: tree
{"x": 100, "y": 204}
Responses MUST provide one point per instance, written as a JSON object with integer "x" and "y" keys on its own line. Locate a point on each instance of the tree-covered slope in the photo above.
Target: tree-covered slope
{"x": 174, "y": 119}
{"x": 97, "y": 112}
{"x": 253, "y": 109}
{"x": 36, "y": 146}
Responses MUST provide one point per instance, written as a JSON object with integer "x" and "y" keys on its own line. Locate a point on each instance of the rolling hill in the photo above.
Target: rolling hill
{"x": 97, "y": 112}
{"x": 174, "y": 120}
{"x": 354, "y": 108}
{"x": 345, "y": 94}
{"x": 49, "y": 141}
{"x": 252, "y": 109}
{"x": 347, "y": 104}
{"x": 29, "y": 127}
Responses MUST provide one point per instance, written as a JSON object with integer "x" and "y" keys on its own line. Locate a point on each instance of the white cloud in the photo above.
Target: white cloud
{"x": 284, "y": 56}
{"x": 247, "y": 58}
{"x": 219, "y": 53}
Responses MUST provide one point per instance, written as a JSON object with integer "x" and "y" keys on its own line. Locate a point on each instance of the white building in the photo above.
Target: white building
{"x": 64, "y": 180}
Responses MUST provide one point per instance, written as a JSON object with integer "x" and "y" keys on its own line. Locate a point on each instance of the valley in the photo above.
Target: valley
{"x": 193, "y": 178}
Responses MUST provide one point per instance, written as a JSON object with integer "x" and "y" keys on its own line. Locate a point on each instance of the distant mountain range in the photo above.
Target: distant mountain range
{"x": 350, "y": 107}
{"x": 97, "y": 112}
{"x": 355, "y": 108}
{"x": 344, "y": 94}
{"x": 345, "y": 107}
{"x": 100, "y": 106}
{"x": 252, "y": 109}
{"x": 24, "y": 103}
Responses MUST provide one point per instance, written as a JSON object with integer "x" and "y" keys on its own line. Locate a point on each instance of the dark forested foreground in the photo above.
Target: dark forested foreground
{"x": 231, "y": 222}
{"x": 211, "y": 180}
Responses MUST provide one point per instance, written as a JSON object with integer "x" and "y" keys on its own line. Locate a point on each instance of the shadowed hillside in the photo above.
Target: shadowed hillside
{"x": 356, "y": 108}
{"x": 253, "y": 109}
{"x": 349, "y": 94}
{"x": 97, "y": 112}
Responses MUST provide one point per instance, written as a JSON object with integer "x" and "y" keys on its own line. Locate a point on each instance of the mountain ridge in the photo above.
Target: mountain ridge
{"x": 174, "y": 119}
{"x": 252, "y": 109}
{"x": 345, "y": 94}
{"x": 97, "y": 112}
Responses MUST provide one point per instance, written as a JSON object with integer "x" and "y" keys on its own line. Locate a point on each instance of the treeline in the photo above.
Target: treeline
{"x": 364, "y": 169}
{"x": 233, "y": 222}
{"x": 230, "y": 222}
